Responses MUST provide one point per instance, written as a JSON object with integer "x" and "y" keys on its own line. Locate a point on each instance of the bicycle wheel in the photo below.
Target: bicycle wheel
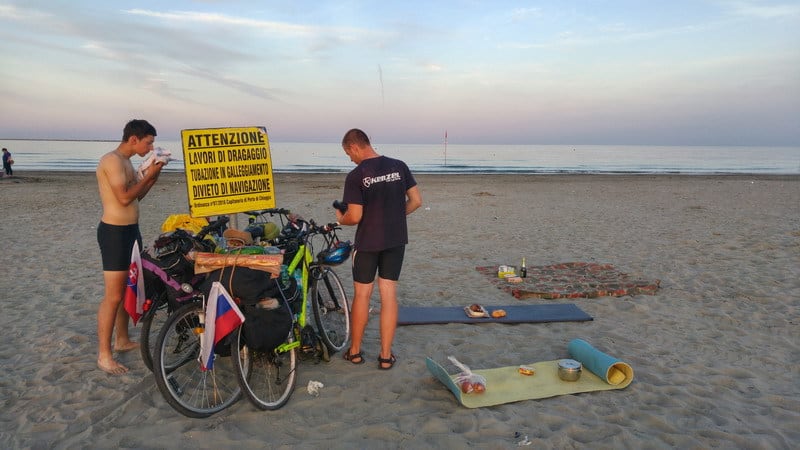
{"x": 190, "y": 390}
{"x": 331, "y": 308}
{"x": 266, "y": 378}
{"x": 152, "y": 322}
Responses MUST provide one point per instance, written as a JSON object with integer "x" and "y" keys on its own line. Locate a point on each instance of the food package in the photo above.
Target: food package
{"x": 207, "y": 262}
{"x": 469, "y": 382}
{"x": 504, "y": 271}
{"x": 475, "y": 310}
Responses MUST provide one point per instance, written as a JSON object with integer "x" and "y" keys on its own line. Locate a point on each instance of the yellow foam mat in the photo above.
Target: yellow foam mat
{"x": 507, "y": 385}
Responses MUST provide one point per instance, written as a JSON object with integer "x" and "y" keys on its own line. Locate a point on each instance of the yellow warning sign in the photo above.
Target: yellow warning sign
{"x": 228, "y": 170}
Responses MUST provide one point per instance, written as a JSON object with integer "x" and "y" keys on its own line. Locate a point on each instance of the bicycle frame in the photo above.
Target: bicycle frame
{"x": 304, "y": 259}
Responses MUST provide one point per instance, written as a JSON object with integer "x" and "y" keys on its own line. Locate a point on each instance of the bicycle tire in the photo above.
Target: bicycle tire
{"x": 331, "y": 308}
{"x": 187, "y": 388}
{"x": 266, "y": 378}
{"x": 152, "y": 321}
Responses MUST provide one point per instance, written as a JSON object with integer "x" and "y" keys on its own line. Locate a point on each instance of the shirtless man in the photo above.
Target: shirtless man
{"x": 120, "y": 193}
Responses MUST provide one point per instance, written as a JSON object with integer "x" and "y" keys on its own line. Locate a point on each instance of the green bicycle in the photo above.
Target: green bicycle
{"x": 268, "y": 378}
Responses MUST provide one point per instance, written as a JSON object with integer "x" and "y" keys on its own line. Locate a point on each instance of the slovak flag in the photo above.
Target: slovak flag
{"x": 222, "y": 317}
{"x": 134, "y": 292}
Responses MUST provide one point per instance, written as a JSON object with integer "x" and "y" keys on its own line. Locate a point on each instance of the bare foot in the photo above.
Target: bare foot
{"x": 122, "y": 348}
{"x": 111, "y": 367}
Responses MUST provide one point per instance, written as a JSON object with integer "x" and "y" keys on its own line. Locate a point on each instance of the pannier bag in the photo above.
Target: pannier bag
{"x": 265, "y": 329}
{"x": 268, "y": 319}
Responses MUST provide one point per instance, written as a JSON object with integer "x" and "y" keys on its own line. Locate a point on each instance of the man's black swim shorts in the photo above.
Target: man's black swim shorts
{"x": 116, "y": 245}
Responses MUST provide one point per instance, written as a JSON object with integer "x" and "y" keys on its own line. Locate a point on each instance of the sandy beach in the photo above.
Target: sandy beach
{"x": 715, "y": 351}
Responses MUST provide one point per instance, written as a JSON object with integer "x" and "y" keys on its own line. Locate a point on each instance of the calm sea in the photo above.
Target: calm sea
{"x": 82, "y": 156}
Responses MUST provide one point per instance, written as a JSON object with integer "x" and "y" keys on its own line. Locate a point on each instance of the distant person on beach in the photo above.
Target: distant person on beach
{"x": 7, "y": 162}
{"x": 120, "y": 194}
{"x": 380, "y": 192}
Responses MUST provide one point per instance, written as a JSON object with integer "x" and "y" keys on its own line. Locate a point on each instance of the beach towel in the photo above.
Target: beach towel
{"x": 557, "y": 312}
{"x": 506, "y": 384}
{"x": 572, "y": 280}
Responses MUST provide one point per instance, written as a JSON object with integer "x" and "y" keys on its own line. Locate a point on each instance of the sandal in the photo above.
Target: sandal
{"x": 357, "y": 358}
{"x": 390, "y": 361}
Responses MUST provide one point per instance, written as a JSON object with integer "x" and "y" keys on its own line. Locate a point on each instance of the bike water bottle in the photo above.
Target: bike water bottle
{"x": 298, "y": 276}
{"x": 284, "y": 275}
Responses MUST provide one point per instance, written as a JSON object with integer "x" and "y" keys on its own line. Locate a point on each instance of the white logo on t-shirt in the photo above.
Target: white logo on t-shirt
{"x": 395, "y": 176}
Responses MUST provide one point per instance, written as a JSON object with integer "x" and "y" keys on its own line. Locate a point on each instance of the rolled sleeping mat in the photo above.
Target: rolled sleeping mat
{"x": 610, "y": 369}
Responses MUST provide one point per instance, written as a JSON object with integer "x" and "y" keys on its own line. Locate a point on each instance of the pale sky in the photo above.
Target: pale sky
{"x": 680, "y": 72}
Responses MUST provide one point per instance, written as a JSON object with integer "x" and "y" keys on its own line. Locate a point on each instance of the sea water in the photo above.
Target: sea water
{"x": 82, "y": 156}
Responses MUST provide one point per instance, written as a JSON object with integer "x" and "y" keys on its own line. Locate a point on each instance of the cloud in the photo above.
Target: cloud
{"x": 14, "y": 13}
{"x": 100, "y": 50}
{"x": 291, "y": 65}
{"x": 226, "y": 20}
{"x": 762, "y": 11}
{"x": 284, "y": 29}
{"x": 231, "y": 82}
{"x": 605, "y": 35}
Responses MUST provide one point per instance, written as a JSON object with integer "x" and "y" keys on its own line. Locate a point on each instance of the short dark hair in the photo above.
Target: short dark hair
{"x": 355, "y": 137}
{"x": 139, "y": 128}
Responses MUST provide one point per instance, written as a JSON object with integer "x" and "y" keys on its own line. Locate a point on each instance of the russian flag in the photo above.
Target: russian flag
{"x": 134, "y": 291}
{"x": 222, "y": 316}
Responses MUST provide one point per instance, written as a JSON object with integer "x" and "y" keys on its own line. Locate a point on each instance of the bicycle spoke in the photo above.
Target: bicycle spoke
{"x": 331, "y": 310}
{"x": 188, "y": 388}
{"x": 267, "y": 378}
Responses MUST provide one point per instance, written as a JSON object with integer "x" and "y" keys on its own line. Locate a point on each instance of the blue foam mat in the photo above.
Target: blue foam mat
{"x": 539, "y": 313}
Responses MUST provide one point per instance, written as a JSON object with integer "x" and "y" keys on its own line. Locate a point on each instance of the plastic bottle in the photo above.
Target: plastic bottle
{"x": 523, "y": 270}
{"x": 284, "y": 275}
{"x": 298, "y": 276}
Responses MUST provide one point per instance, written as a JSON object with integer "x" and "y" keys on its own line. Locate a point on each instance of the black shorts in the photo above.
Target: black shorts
{"x": 116, "y": 245}
{"x": 387, "y": 263}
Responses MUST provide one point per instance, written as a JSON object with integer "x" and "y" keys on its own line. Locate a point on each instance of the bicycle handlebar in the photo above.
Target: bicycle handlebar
{"x": 312, "y": 227}
{"x": 323, "y": 229}
{"x": 270, "y": 211}
{"x": 213, "y": 226}
{"x": 333, "y": 226}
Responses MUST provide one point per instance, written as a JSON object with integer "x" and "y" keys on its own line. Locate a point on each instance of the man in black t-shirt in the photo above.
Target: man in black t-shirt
{"x": 380, "y": 192}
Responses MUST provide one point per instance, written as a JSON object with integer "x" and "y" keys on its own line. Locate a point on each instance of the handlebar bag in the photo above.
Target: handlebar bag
{"x": 169, "y": 252}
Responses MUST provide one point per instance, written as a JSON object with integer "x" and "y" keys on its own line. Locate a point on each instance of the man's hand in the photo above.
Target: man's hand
{"x": 155, "y": 169}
